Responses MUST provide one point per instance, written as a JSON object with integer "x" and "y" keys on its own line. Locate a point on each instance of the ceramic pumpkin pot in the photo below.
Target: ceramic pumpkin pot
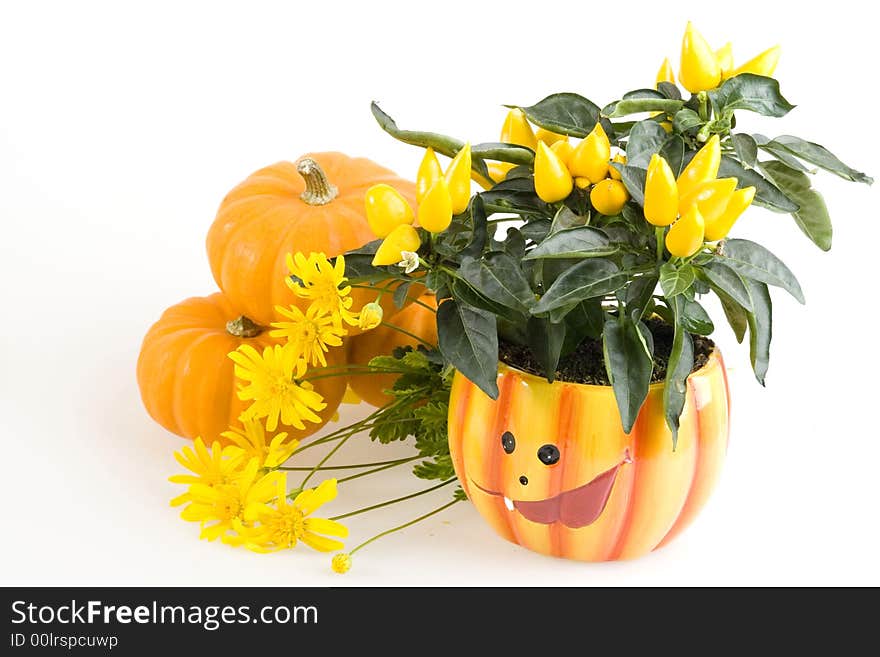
{"x": 382, "y": 340}
{"x": 550, "y": 468}
{"x": 314, "y": 205}
{"x": 187, "y": 381}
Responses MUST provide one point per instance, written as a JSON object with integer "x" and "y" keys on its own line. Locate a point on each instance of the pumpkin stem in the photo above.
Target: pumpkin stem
{"x": 319, "y": 190}
{"x": 243, "y": 327}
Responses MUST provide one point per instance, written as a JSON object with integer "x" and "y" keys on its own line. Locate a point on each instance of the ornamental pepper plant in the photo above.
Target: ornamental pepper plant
{"x": 605, "y": 224}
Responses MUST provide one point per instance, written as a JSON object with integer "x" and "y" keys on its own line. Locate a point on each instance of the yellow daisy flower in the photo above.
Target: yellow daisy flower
{"x": 273, "y": 387}
{"x": 324, "y": 284}
{"x": 341, "y": 563}
{"x": 220, "y": 509}
{"x": 250, "y": 443}
{"x": 310, "y": 333}
{"x": 283, "y": 525}
{"x": 208, "y": 467}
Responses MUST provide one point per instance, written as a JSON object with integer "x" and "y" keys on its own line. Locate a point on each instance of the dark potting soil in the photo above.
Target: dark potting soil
{"x": 586, "y": 364}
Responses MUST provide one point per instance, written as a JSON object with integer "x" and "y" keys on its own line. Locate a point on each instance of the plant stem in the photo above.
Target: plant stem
{"x": 658, "y": 232}
{"x": 390, "y": 464}
{"x": 361, "y": 371}
{"x": 414, "y": 300}
{"x": 400, "y": 329}
{"x": 349, "y": 466}
{"x": 395, "y": 501}
{"x": 404, "y": 525}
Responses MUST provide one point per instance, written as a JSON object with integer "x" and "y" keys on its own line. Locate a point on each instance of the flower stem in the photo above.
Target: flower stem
{"x": 348, "y": 466}
{"x": 400, "y": 329}
{"x": 414, "y": 300}
{"x": 390, "y": 464}
{"x": 404, "y": 525}
{"x": 658, "y": 232}
{"x": 395, "y": 501}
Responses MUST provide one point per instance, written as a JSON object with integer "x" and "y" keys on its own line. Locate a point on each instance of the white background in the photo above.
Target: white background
{"x": 121, "y": 128}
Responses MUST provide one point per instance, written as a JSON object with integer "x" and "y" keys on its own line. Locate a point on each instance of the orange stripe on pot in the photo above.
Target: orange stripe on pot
{"x": 710, "y": 400}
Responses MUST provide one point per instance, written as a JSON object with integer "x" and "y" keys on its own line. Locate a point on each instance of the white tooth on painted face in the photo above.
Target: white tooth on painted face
{"x": 508, "y": 503}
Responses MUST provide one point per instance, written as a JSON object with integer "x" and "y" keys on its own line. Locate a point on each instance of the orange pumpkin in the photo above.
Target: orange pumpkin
{"x": 550, "y": 468}
{"x": 187, "y": 381}
{"x": 382, "y": 340}
{"x": 315, "y": 205}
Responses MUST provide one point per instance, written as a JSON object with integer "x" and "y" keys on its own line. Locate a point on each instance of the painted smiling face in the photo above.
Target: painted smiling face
{"x": 550, "y": 468}
{"x": 574, "y": 508}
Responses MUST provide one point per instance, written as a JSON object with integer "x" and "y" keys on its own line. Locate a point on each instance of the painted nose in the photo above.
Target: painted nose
{"x": 524, "y": 480}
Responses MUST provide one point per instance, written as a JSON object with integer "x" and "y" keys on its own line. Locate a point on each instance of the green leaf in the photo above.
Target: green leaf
{"x": 746, "y": 148}
{"x": 754, "y": 261}
{"x": 634, "y": 180}
{"x": 565, "y": 113}
{"x": 685, "y": 120}
{"x": 536, "y": 230}
{"x": 639, "y": 296}
{"x": 500, "y": 278}
{"x": 629, "y": 106}
{"x": 723, "y": 278}
{"x": 629, "y": 366}
{"x": 812, "y": 216}
{"x": 673, "y": 153}
{"x": 645, "y": 139}
{"x": 590, "y": 278}
{"x": 515, "y": 195}
{"x": 502, "y": 152}
{"x": 584, "y": 320}
{"x": 695, "y": 319}
{"x": 566, "y": 218}
{"x": 468, "y": 339}
{"x": 780, "y": 153}
{"x": 678, "y": 368}
{"x": 760, "y": 322}
{"x": 754, "y": 93}
{"x": 669, "y": 90}
{"x": 460, "y": 290}
{"x": 545, "y": 341}
{"x": 676, "y": 280}
{"x": 821, "y": 157}
{"x": 579, "y": 242}
{"x": 443, "y": 144}
{"x": 479, "y": 230}
{"x": 766, "y": 193}
{"x": 736, "y": 315}
{"x": 400, "y": 294}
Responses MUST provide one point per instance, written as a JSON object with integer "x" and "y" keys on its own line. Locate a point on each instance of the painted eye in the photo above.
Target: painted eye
{"x": 508, "y": 442}
{"x": 548, "y": 454}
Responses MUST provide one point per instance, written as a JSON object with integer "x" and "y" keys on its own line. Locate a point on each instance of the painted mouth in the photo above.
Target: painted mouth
{"x": 574, "y": 508}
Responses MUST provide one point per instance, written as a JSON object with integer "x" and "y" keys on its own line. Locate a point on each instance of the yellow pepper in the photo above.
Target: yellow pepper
{"x": 549, "y": 137}
{"x": 435, "y": 210}
{"x": 702, "y": 168}
{"x": 661, "y": 193}
{"x": 386, "y": 209}
{"x": 739, "y": 201}
{"x": 620, "y": 158}
{"x": 552, "y": 179}
{"x": 564, "y": 150}
{"x": 685, "y": 237}
{"x": 609, "y": 196}
{"x": 699, "y": 68}
{"x": 724, "y": 57}
{"x": 498, "y": 170}
{"x": 711, "y": 198}
{"x": 517, "y": 130}
{"x": 429, "y": 172}
{"x": 763, "y": 64}
{"x": 402, "y": 238}
{"x": 590, "y": 157}
{"x": 582, "y": 183}
{"x": 665, "y": 74}
{"x": 458, "y": 177}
